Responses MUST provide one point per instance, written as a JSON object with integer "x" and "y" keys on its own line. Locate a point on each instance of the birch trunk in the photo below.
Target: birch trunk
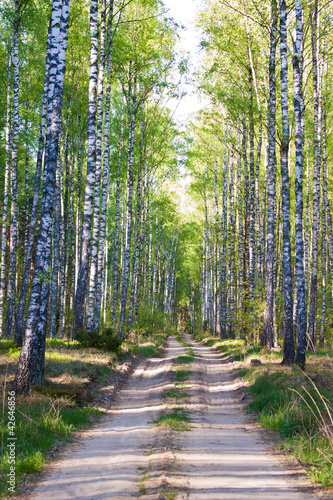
{"x": 307, "y": 218}
{"x": 299, "y": 146}
{"x": 324, "y": 229}
{"x": 32, "y": 358}
{"x": 232, "y": 232}
{"x": 312, "y": 321}
{"x": 288, "y": 337}
{"x": 116, "y": 234}
{"x": 268, "y": 334}
{"x": 224, "y": 223}
{"x": 139, "y": 281}
{"x": 11, "y": 291}
{"x": 5, "y": 201}
{"x": 97, "y": 197}
{"x": 55, "y": 264}
{"x": 252, "y": 235}
{"x": 82, "y": 280}
{"x": 240, "y": 248}
{"x": 136, "y": 254}
{"x": 105, "y": 179}
{"x": 49, "y": 81}
{"x": 131, "y": 123}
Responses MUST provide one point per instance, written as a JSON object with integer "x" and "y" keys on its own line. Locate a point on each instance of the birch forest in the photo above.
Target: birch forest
{"x": 115, "y": 218}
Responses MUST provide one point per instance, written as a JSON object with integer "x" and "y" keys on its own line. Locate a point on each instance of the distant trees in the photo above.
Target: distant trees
{"x": 97, "y": 242}
{"x": 270, "y": 217}
{"x": 103, "y": 175}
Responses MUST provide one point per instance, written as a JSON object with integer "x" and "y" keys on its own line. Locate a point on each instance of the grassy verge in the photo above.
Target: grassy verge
{"x": 294, "y": 404}
{"x": 66, "y": 402}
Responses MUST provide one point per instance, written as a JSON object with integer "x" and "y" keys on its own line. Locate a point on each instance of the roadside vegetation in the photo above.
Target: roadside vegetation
{"x": 73, "y": 397}
{"x": 296, "y": 405}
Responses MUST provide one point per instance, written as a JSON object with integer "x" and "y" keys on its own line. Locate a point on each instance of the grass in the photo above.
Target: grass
{"x": 176, "y": 393}
{"x": 185, "y": 358}
{"x": 178, "y": 420}
{"x": 168, "y": 495}
{"x": 148, "y": 346}
{"x": 294, "y": 404}
{"x": 182, "y": 375}
{"x": 144, "y": 478}
{"x": 180, "y": 339}
{"x": 142, "y": 489}
{"x": 53, "y": 411}
{"x": 287, "y": 401}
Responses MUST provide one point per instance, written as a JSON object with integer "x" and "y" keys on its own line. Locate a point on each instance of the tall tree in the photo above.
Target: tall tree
{"x": 271, "y": 189}
{"x": 288, "y": 337}
{"x": 82, "y": 280}
{"x": 32, "y": 358}
{"x": 299, "y": 145}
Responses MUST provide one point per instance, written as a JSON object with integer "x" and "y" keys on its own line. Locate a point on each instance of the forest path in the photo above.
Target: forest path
{"x": 106, "y": 461}
{"x": 223, "y": 457}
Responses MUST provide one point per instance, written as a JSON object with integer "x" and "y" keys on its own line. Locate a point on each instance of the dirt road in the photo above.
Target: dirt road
{"x": 223, "y": 457}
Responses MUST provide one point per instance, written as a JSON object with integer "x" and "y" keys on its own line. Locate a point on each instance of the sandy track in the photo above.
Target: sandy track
{"x": 104, "y": 462}
{"x": 223, "y": 457}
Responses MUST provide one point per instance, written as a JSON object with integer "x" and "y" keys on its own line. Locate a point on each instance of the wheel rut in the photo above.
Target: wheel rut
{"x": 222, "y": 457}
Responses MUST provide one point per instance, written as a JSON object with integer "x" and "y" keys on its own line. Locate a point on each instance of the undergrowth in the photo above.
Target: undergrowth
{"x": 300, "y": 411}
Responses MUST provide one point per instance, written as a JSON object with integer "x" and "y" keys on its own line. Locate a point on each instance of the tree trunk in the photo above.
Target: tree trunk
{"x": 131, "y": 123}
{"x": 312, "y": 321}
{"x": 268, "y": 333}
{"x": 224, "y": 223}
{"x": 97, "y": 197}
{"x": 11, "y": 291}
{"x": 324, "y": 228}
{"x": 55, "y": 264}
{"x": 105, "y": 181}
{"x": 116, "y": 233}
{"x": 288, "y": 338}
{"x": 5, "y": 200}
{"x": 32, "y": 358}
{"x": 82, "y": 280}
{"x": 299, "y": 145}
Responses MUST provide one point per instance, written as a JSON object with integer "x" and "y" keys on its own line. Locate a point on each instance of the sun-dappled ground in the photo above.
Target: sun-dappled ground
{"x": 178, "y": 430}
{"x": 79, "y": 385}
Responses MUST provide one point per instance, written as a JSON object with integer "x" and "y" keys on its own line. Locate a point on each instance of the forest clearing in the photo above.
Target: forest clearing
{"x": 166, "y": 248}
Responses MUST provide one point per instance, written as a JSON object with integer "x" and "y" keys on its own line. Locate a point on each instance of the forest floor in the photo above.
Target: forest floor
{"x": 205, "y": 446}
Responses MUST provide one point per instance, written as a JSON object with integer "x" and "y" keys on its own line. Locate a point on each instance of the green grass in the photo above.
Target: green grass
{"x": 180, "y": 339}
{"x": 168, "y": 495}
{"x": 178, "y": 419}
{"x": 142, "y": 489}
{"x": 182, "y": 375}
{"x": 298, "y": 417}
{"x": 177, "y": 393}
{"x": 148, "y": 346}
{"x": 148, "y": 351}
{"x": 185, "y": 358}
{"x": 41, "y": 424}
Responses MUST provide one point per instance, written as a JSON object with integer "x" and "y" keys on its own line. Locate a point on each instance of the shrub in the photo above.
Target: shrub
{"x": 106, "y": 341}
{"x": 149, "y": 321}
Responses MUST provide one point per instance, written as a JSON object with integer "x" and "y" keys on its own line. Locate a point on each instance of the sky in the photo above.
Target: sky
{"x": 184, "y": 12}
